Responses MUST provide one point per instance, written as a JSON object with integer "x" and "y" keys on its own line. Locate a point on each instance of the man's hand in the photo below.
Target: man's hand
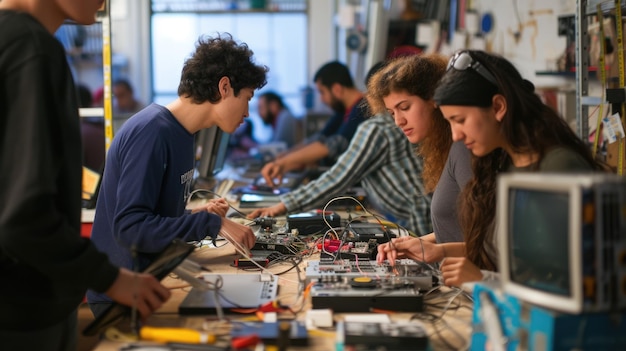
{"x": 241, "y": 236}
{"x": 409, "y": 247}
{"x": 273, "y": 211}
{"x": 140, "y": 290}
{"x": 273, "y": 170}
{"x": 217, "y": 206}
{"x": 458, "y": 270}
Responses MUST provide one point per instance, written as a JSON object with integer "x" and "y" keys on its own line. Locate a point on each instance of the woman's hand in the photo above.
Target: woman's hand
{"x": 458, "y": 270}
{"x": 410, "y": 247}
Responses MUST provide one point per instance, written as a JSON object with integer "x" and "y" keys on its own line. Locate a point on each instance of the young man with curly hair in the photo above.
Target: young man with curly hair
{"x": 150, "y": 164}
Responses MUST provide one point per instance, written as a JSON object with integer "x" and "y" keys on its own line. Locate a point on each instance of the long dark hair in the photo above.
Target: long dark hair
{"x": 529, "y": 126}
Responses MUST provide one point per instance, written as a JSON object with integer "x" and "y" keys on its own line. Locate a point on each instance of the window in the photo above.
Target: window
{"x": 278, "y": 39}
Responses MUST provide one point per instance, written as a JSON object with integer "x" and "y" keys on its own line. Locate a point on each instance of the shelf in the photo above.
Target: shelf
{"x": 91, "y": 112}
{"x": 569, "y": 74}
{"x": 556, "y": 73}
{"x": 606, "y": 6}
{"x": 232, "y": 6}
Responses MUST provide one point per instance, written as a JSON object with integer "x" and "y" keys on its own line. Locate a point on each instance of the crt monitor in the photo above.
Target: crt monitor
{"x": 562, "y": 240}
{"x": 211, "y": 149}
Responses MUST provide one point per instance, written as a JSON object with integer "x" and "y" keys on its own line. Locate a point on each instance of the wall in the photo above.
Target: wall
{"x": 535, "y": 49}
{"x": 130, "y": 39}
{"x": 529, "y": 36}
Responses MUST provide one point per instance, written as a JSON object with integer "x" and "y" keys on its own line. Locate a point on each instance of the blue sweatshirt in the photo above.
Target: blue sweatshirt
{"x": 145, "y": 186}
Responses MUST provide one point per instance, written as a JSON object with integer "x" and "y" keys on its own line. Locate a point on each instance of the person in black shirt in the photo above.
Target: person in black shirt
{"x": 45, "y": 265}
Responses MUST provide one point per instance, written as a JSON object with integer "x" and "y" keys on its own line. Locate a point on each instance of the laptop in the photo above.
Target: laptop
{"x": 258, "y": 201}
{"x": 364, "y": 231}
{"x": 90, "y": 187}
{"x": 236, "y": 291}
{"x": 259, "y": 186}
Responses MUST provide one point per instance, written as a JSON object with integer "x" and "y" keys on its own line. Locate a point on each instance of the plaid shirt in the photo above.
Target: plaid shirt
{"x": 384, "y": 161}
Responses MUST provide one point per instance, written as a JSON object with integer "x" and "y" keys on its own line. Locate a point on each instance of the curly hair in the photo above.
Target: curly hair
{"x": 529, "y": 126}
{"x": 416, "y": 75}
{"x": 214, "y": 58}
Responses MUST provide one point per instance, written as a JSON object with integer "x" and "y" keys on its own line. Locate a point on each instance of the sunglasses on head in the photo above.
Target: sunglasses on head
{"x": 462, "y": 60}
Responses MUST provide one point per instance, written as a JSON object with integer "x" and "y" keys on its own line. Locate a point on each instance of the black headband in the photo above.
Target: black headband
{"x": 464, "y": 88}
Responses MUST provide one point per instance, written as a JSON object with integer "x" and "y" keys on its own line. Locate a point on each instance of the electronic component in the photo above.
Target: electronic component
{"x": 409, "y": 335}
{"x": 329, "y": 271}
{"x": 365, "y": 231}
{"x": 562, "y": 240}
{"x": 312, "y": 222}
{"x": 270, "y": 332}
{"x": 285, "y": 244}
{"x": 352, "y": 250}
{"x": 260, "y": 257}
{"x": 358, "y": 286}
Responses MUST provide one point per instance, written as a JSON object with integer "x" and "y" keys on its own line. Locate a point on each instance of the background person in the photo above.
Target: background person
{"x": 336, "y": 88}
{"x": 383, "y": 160}
{"x": 274, "y": 114}
{"x": 92, "y": 132}
{"x": 124, "y": 100}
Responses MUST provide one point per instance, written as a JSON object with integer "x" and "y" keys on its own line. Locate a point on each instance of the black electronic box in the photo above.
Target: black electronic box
{"x": 312, "y": 222}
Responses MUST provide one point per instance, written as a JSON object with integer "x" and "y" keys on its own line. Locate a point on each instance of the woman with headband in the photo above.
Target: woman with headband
{"x": 499, "y": 117}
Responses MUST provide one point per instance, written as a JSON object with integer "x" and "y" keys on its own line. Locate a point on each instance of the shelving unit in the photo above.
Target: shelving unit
{"x": 582, "y": 67}
{"x": 229, "y": 6}
{"x": 585, "y": 9}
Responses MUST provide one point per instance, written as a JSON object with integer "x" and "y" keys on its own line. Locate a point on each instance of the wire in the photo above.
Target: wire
{"x": 197, "y": 191}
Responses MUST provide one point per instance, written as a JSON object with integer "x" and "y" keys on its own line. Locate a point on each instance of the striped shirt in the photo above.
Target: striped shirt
{"x": 384, "y": 161}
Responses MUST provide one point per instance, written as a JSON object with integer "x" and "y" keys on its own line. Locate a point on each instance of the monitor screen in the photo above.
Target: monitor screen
{"x": 538, "y": 239}
{"x": 559, "y": 239}
{"x": 220, "y": 153}
{"x": 211, "y": 149}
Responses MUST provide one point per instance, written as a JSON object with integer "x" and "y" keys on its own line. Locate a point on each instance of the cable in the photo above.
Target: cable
{"x": 197, "y": 191}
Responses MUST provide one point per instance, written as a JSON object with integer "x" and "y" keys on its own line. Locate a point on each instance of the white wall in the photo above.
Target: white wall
{"x": 535, "y": 50}
{"x": 538, "y": 44}
{"x": 130, "y": 39}
{"x": 130, "y": 23}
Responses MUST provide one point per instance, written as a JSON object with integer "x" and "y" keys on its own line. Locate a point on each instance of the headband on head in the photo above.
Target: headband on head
{"x": 464, "y": 88}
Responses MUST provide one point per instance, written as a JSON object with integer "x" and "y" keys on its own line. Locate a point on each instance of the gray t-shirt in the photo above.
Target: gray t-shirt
{"x": 286, "y": 127}
{"x": 444, "y": 206}
{"x": 557, "y": 160}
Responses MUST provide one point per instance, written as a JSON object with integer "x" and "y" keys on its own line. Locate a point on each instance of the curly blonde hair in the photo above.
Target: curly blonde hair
{"x": 419, "y": 76}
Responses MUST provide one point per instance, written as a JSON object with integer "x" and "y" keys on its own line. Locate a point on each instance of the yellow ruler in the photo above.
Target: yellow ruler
{"x": 105, "y": 19}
